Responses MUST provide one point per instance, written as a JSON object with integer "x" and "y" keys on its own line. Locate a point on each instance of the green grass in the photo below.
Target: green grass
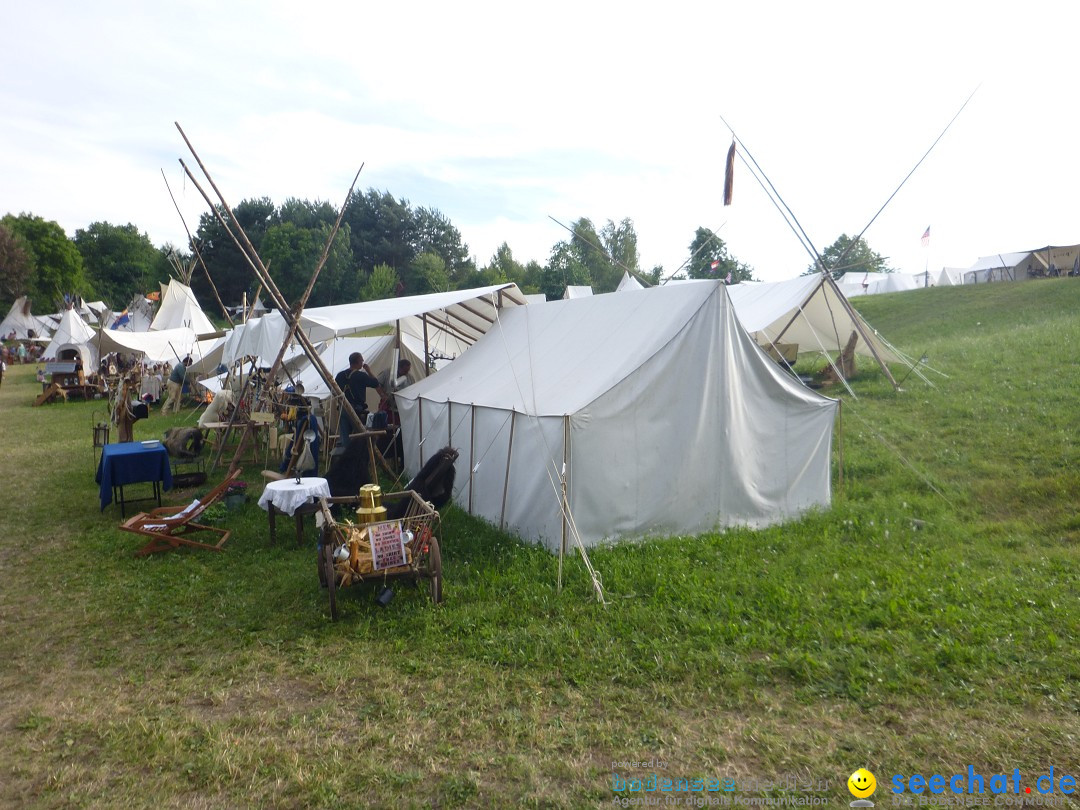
{"x": 926, "y": 621}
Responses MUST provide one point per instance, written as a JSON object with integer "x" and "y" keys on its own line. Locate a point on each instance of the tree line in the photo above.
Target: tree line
{"x": 385, "y": 247}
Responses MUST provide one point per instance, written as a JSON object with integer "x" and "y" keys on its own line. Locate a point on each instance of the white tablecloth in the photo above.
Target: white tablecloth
{"x": 287, "y": 495}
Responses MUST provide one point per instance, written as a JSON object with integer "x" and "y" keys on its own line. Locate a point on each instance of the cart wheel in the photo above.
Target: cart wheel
{"x": 328, "y": 573}
{"x": 434, "y": 571}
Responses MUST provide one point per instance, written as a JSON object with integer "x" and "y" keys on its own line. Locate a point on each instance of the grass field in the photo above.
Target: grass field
{"x": 924, "y": 623}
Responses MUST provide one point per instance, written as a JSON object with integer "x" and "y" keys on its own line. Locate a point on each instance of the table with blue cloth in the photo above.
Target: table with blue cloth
{"x": 132, "y": 463}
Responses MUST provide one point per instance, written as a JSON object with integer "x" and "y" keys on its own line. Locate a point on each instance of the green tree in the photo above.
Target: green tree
{"x": 231, "y": 272}
{"x": 382, "y": 283}
{"x": 503, "y": 268}
{"x": 56, "y": 268}
{"x": 292, "y": 253}
{"x": 381, "y": 230}
{"x": 433, "y": 233}
{"x": 425, "y": 274}
{"x": 620, "y": 245}
{"x": 709, "y": 258}
{"x": 119, "y": 260}
{"x": 848, "y": 255}
{"x": 15, "y": 266}
{"x": 565, "y": 268}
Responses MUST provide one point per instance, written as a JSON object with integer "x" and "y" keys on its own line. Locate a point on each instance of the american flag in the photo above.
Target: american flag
{"x": 926, "y": 237}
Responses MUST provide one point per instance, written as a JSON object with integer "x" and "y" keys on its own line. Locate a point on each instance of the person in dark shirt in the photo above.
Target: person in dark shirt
{"x": 354, "y": 382}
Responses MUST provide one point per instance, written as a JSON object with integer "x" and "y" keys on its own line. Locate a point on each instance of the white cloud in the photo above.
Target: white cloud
{"x": 501, "y": 115}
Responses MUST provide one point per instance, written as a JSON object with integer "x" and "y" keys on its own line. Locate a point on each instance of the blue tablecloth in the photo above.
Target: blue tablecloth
{"x": 130, "y": 463}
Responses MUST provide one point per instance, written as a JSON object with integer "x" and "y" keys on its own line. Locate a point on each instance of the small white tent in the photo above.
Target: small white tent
{"x": 628, "y": 282}
{"x": 73, "y": 336}
{"x": 577, "y": 291}
{"x": 20, "y": 321}
{"x": 810, "y": 311}
{"x": 180, "y": 309}
{"x": 666, "y": 416}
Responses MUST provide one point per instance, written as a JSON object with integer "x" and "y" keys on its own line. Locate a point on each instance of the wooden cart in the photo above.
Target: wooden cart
{"x": 423, "y": 557}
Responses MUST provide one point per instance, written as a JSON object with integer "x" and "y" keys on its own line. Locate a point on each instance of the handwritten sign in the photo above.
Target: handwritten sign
{"x": 387, "y": 545}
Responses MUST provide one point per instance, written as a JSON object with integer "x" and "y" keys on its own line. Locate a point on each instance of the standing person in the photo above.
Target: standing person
{"x": 3, "y": 368}
{"x": 354, "y": 381}
{"x": 176, "y": 385}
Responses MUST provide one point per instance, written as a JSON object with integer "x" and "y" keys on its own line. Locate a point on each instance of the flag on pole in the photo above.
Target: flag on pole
{"x": 714, "y": 265}
{"x": 926, "y": 237}
{"x": 729, "y": 173}
{"x": 728, "y": 279}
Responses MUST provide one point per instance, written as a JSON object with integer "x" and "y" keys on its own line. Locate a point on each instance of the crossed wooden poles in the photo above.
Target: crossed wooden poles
{"x": 291, "y": 314}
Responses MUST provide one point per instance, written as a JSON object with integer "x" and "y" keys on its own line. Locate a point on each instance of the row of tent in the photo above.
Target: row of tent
{"x": 173, "y": 329}
{"x": 656, "y": 407}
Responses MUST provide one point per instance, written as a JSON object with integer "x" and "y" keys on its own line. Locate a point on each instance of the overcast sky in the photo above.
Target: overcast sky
{"x": 503, "y": 114}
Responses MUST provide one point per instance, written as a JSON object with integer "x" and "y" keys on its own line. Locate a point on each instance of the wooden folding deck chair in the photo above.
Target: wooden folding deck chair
{"x": 168, "y": 527}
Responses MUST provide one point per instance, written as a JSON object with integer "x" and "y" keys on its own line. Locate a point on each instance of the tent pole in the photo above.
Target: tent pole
{"x": 427, "y": 352}
{"x": 506, "y": 479}
{"x": 858, "y": 326}
{"x": 564, "y": 505}
{"x": 840, "y": 443}
{"x": 255, "y": 263}
{"x": 420, "y": 419}
{"x": 198, "y": 254}
{"x": 472, "y": 451}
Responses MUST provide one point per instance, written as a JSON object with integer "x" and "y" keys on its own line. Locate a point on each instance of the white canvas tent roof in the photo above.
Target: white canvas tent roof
{"x": 461, "y": 314}
{"x": 73, "y": 335}
{"x": 20, "y": 321}
{"x": 180, "y": 309}
{"x": 680, "y": 427}
{"x": 808, "y": 310}
{"x": 160, "y": 346}
{"x": 577, "y": 291}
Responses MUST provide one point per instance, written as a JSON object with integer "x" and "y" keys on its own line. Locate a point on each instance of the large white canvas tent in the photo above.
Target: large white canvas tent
{"x": 810, "y": 311}
{"x": 73, "y": 336}
{"x": 20, "y": 321}
{"x": 667, "y": 418}
{"x": 179, "y": 308}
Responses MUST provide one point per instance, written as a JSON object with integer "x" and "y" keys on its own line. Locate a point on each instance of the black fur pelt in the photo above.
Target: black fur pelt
{"x": 350, "y": 470}
{"x": 183, "y": 443}
{"x": 435, "y": 481}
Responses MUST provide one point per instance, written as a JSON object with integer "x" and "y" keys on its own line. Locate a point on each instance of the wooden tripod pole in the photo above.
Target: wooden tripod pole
{"x": 294, "y": 322}
{"x": 195, "y": 247}
{"x": 263, "y": 275}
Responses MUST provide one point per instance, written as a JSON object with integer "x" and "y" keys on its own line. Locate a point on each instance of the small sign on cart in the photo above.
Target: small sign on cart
{"x": 387, "y": 545}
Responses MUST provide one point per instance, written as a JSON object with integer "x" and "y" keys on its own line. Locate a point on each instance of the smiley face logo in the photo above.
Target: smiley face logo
{"x": 862, "y": 784}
